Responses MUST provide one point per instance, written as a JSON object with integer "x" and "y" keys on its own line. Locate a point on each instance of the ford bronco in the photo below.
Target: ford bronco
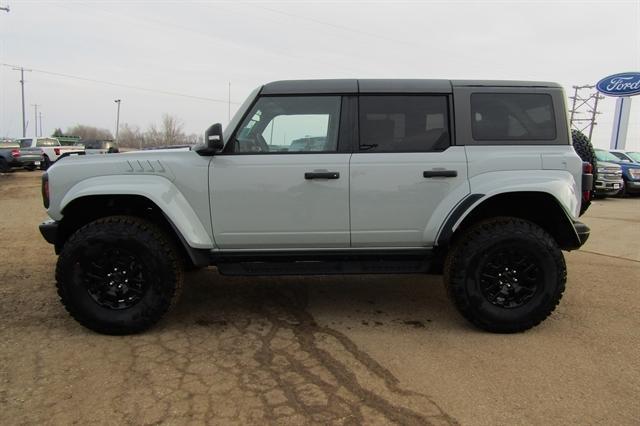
{"x": 475, "y": 180}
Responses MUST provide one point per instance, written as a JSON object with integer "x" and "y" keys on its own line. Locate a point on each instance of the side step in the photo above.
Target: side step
{"x": 324, "y": 263}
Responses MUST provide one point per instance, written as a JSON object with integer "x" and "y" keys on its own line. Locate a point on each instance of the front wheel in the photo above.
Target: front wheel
{"x": 505, "y": 275}
{"x": 118, "y": 275}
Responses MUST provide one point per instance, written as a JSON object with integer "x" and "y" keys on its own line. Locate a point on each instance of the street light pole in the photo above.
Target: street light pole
{"x": 40, "y": 123}
{"x": 117, "y": 117}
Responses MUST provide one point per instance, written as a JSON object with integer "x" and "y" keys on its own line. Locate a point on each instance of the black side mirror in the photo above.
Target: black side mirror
{"x": 213, "y": 141}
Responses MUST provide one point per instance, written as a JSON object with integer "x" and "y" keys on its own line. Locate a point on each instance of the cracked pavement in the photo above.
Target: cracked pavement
{"x": 340, "y": 350}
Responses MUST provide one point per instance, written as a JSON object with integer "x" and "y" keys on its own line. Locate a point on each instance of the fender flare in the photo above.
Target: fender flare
{"x": 159, "y": 190}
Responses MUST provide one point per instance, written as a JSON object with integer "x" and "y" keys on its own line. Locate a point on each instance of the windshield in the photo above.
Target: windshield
{"x": 635, "y": 156}
{"x": 603, "y": 155}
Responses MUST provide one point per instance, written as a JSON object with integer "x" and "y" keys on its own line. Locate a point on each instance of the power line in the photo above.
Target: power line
{"x": 127, "y": 86}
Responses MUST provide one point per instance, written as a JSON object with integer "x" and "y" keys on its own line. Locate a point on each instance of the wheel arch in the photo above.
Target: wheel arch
{"x": 87, "y": 208}
{"x": 539, "y": 207}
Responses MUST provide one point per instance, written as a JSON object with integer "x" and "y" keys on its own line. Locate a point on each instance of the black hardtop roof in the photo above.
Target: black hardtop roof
{"x": 287, "y": 87}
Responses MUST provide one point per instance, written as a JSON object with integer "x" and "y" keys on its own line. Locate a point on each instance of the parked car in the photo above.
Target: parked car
{"x": 630, "y": 171}
{"x": 609, "y": 180}
{"x": 94, "y": 146}
{"x": 391, "y": 191}
{"x": 48, "y": 149}
{"x": 631, "y": 156}
{"x": 12, "y": 157}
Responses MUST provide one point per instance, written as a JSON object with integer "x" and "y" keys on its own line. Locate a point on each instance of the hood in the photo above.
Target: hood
{"x": 608, "y": 164}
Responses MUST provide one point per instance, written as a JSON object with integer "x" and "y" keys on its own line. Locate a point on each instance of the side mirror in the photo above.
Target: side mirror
{"x": 213, "y": 141}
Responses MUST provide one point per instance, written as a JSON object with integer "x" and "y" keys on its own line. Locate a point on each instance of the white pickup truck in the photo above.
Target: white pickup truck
{"x": 49, "y": 149}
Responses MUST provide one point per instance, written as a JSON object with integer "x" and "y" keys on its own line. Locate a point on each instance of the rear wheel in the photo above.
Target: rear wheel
{"x": 45, "y": 163}
{"x": 4, "y": 166}
{"x": 118, "y": 275}
{"x": 505, "y": 275}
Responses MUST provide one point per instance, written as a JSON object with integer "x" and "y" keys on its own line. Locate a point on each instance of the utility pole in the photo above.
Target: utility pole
{"x": 24, "y": 118}
{"x": 117, "y": 117}
{"x": 40, "y": 121}
{"x": 584, "y": 103}
{"x": 35, "y": 127}
{"x": 229, "y": 105}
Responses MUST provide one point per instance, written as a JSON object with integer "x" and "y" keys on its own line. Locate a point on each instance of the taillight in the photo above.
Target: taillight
{"x": 45, "y": 190}
{"x": 15, "y": 153}
{"x": 57, "y": 151}
{"x": 587, "y": 169}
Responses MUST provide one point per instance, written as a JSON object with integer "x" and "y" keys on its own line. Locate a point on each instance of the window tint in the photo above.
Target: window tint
{"x": 512, "y": 116}
{"x": 404, "y": 123}
{"x": 285, "y": 124}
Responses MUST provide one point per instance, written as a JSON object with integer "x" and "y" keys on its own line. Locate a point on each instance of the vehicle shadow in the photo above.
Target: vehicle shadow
{"x": 342, "y": 301}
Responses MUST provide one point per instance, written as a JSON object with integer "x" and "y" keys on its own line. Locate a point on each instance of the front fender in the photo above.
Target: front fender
{"x": 158, "y": 189}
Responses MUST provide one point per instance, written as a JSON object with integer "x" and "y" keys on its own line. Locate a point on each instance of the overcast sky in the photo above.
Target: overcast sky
{"x": 197, "y": 47}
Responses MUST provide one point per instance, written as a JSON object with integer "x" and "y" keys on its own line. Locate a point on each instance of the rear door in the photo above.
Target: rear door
{"x": 283, "y": 180}
{"x": 406, "y": 176}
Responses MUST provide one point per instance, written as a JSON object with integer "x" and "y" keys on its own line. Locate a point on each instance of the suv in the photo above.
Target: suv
{"x": 477, "y": 180}
{"x": 96, "y": 146}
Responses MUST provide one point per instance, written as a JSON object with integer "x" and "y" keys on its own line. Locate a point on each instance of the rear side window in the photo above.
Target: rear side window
{"x": 404, "y": 123}
{"x": 512, "y": 116}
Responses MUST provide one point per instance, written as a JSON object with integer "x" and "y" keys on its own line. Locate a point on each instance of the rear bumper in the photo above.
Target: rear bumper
{"x": 49, "y": 230}
{"x": 582, "y": 231}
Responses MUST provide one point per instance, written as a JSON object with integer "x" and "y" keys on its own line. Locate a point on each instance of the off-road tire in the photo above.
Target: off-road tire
{"x": 583, "y": 147}
{"x": 153, "y": 250}
{"x": 4, "y": 166}
{"x": 45, "y": 163}
{"x": 464, "y": 264}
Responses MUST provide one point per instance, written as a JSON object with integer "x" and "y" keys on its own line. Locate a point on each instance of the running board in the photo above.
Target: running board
{"x": 324, "y": 263}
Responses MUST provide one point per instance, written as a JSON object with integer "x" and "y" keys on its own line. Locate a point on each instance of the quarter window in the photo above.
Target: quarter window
{"x": 290, "y": 124}
{"x": 404, "y": 123}
{"x": 512, "y": 116}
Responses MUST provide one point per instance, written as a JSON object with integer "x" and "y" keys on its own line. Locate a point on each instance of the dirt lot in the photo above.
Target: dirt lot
{"x": 335, "y": 350}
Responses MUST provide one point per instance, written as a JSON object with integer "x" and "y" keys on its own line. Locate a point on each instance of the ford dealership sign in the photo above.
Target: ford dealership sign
{"x": 624, "y": 84}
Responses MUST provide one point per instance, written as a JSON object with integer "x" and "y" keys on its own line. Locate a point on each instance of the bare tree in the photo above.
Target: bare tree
{"x": 130, "y": 136}
{"x": 172, "y": 130}
{"x": 89, "y": 132}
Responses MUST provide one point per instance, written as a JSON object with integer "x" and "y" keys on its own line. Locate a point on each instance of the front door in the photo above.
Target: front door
{"x": 405, "y": 176}
{"x": 281, "y": 182}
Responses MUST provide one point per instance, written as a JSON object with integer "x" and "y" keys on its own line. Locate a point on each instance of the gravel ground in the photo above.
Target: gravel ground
{"x": 325, "y": 350}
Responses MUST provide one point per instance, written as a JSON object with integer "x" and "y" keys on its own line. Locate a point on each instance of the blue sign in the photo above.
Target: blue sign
{"x": 623, "y": 84}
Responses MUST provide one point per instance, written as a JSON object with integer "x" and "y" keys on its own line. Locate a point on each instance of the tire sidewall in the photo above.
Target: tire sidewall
{"x": 543, "y": 299}
{"x": 160, "y": 276}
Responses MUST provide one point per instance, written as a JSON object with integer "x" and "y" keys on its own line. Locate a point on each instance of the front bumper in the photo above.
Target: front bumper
{"x": 633, "y": 186}
{"x": 49, "y": 230}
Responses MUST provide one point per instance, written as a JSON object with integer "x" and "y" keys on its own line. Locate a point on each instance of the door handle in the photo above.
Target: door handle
{"x": 439, "y": 173}
{"x": 321, "y": 175}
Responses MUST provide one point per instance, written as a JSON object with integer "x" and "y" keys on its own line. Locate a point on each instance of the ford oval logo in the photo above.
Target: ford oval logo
{"x": 624, "y": 84}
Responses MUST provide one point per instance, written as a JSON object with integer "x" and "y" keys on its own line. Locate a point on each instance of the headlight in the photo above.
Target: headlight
{"x": 602, "y": 170}
{"x": 635, "y": 173}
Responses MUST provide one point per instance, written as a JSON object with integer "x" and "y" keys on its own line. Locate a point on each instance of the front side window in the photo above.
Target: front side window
{"x": 512, "y": 116}
{"x": 404, "y": 123}
{"x": 290, "y": 124}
